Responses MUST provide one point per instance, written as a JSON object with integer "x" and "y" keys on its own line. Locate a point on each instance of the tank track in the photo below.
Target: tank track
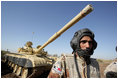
{"x": 28, "y": 72}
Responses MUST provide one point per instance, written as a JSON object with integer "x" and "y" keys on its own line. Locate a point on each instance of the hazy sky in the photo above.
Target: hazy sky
{"x": 19, "y": 19}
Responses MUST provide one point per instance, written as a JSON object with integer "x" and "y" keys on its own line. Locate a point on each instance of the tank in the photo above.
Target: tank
{"x": 28, "y": 64}
{"x": 32, "y": 62}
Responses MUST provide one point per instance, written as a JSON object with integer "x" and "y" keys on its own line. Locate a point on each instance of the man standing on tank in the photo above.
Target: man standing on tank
{"x": 78, "y": 64}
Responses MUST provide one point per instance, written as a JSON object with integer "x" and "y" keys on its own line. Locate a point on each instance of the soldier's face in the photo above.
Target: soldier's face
{"x": 86, "y": 42}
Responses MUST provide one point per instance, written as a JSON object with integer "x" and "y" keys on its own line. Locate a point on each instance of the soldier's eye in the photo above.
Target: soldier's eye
{"x": 90, "y": 42}
{"x": 83, "y": 41}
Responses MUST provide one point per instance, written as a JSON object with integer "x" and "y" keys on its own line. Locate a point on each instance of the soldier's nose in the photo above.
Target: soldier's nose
{"x": 87, "y": 45}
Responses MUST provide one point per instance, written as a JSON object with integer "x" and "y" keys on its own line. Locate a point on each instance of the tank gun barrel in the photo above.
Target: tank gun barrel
{"x": 78, "y": 17}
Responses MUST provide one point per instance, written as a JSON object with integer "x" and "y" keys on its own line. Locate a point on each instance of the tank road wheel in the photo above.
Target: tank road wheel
{"x": 24, "y": 72}
{"x": 15, "y": 68}
{"x": 9, "y": 63}
{"x": 12, "y": 65}
{"x": 18, "y": 70}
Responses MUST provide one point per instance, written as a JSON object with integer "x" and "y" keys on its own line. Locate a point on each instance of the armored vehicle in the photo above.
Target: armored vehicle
{"x": 28, "y": 63}
{"x": 31, "y": 62}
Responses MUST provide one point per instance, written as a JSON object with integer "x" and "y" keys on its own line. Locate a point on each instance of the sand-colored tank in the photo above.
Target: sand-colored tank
{"x": 26, "y": 63}
{"x": 32, "y": 62}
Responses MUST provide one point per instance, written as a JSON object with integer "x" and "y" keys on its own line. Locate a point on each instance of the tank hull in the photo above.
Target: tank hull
{"x": 28, "y": 66}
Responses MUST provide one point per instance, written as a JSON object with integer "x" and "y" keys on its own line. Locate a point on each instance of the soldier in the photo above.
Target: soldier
{"x": 78, "y": 64}
{"x": 111, "y": 69}
{"x": 28, "y": 47}
{"x": 28, "y": 44}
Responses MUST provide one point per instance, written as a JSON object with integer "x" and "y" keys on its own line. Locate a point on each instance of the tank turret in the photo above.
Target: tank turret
{"x": 28, "y": 50}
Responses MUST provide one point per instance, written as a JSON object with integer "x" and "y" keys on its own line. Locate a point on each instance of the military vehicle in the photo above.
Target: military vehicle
{"x": 26, "y": 63}
{"x": 30, "y": 62}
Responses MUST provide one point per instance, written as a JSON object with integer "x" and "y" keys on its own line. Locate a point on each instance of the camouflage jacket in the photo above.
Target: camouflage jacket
{"x": 65, "y": 68}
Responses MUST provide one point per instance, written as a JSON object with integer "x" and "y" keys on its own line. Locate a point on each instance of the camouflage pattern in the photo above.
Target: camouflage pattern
{"x": 65, "y": 67}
